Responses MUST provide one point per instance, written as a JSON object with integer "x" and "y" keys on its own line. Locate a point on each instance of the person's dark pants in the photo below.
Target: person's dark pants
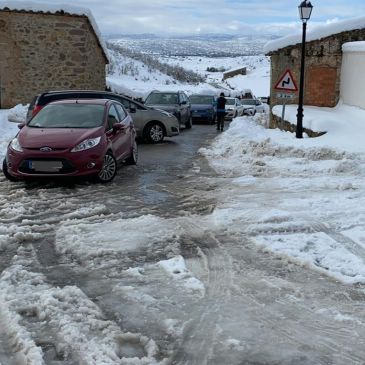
{"x": 220, "y": 121}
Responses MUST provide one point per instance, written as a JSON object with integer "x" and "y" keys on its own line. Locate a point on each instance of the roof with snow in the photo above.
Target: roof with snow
{"x": 316, "y": 33}
{"x": 235, "y": 69}
{"x": 57, "y": 9}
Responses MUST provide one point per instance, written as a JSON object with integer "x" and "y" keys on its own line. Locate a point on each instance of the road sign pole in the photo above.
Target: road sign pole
{"x": 282, "y": 115}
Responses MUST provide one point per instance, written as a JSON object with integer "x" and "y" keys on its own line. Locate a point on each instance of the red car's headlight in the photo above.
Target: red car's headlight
{"x": 86, "y": 144}
{"x": 15, "y": 145}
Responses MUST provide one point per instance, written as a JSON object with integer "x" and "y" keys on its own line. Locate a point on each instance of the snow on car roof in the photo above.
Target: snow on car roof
{"x": 54, "y": 8}
{"x": 317, "y": 32}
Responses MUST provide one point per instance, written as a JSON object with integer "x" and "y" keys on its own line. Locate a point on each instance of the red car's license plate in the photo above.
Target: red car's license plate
{"x": 45, "y": 166}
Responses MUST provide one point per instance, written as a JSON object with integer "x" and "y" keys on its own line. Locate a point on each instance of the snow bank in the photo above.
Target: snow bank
{"x": 344, "y": 125}
{"x": 300, "y": 198}
{"x": 8, "y": 131}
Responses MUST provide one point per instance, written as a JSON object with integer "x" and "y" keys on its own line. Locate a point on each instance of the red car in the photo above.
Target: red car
{"x": 73, "y": 138}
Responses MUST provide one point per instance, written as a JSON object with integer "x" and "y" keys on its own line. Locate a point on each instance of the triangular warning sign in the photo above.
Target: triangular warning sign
{"x": 286, "y": 82}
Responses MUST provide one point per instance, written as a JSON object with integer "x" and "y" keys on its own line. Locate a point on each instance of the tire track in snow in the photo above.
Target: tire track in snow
{"x": 200, "y": 333}
{"x": 347, "y": 242}
{"x": 301, "y": 321}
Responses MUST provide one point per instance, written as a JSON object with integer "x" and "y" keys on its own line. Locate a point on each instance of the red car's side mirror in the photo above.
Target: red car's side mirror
{"x": 118, "y": 127}
{"x": 21, "y": 125}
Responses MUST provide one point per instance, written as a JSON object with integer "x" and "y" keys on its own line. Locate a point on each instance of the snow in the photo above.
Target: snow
{"x": 7, "y": 132}
{"x": 248, "y": 154}
{"x": 32, "y": 6}
{"x": 343, "y": 124}
{"x": 318, "y": 32}
{"x": 354, "y": 46}
{"x": 79, "y": 323}
{"x": 300, "y": 199}
{"x": 90, "y": 241}
{"x": 177, "y": 269}
{"x": 140, "y": 81}
{"x": 312, "y": 180}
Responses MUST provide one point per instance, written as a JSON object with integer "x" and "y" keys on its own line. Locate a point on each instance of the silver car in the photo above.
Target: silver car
{"x": 151, "y": 124}
{"x": 233, "y": 108}
{"x": 252, "y": 106}
{"x": 175, "y": 102}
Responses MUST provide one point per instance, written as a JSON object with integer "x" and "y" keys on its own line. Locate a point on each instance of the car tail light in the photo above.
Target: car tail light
{"x": 36, "y": 109}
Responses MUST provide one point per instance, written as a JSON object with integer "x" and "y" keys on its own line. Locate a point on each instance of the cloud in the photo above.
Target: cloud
{"x": 210, "y": 16}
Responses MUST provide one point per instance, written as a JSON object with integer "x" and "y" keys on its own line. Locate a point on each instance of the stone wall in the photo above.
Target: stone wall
{"x": 277, "y": 122}
{"x": 40, "y": 52}
{"x": 322, "y": 71}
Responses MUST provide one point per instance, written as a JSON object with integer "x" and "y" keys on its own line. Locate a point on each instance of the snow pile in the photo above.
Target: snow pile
{"x": 344, "y": 125}
{"x": 7, "y": 132}
{"x": 18, "y": 114}
{"x": 298, "y": 198}
{"x": 318, "y": 32}
{"x": 176, "y": 268}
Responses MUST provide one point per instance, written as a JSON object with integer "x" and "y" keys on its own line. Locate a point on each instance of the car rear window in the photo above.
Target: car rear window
{"x": 162, "y": 99}
{"x": 201, "y": 99}
{"x": 69, "y": 116}
{"x": 248, "y": 102}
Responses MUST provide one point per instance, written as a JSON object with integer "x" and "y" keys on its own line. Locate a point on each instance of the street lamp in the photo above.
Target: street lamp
{"x": 305, "y": 11}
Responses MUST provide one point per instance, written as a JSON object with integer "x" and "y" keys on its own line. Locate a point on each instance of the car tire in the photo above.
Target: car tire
{"x": 235, "y": 114}
{"x": 6, "y": 172}
{"x": 108, "y": 170}
{"x": 154, "y": 132}
{"x": 189, "y": 123}
{"x": 133, "y": 158}
{"x": 254, "y": 112}
{"x": 212, "y": 121}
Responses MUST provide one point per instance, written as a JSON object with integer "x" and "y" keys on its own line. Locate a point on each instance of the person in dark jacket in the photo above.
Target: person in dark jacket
{"x": 221, "y": 111}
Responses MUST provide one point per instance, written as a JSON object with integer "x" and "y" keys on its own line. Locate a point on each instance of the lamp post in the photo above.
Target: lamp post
{"x": 305, "y": 11}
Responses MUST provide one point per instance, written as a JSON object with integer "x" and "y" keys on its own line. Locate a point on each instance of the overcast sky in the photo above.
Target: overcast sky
{"x": 211, "y": 16}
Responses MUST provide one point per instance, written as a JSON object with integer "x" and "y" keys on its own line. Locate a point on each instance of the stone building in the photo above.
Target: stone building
{"x": 323, "y": 62}
{"x": 46, "y": 49}
{"x": 234, "y": 72}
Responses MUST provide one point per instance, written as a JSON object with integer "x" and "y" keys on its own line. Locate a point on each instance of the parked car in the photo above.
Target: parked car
{"x": 252, "y": 106}
{"x": 150, "y": 124}
{"x": 203, "y": 107}
{"x": 264, "y": 99}
{"x": 233, "y": 108}
{"x": 73, "y": 138}
{"x": 174, "y": 102}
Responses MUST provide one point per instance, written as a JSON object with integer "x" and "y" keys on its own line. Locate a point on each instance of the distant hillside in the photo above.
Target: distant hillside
{"x": 208, "y": 45}
{"x": 123, "y": 63}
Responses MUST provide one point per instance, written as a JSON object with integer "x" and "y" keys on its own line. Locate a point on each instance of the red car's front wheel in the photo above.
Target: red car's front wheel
{"x": 109, "y": 169}
{"x": 6, "y": 172}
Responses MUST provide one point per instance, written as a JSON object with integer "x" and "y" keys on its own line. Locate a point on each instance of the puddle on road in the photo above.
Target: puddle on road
{"x": 130, "y": 347}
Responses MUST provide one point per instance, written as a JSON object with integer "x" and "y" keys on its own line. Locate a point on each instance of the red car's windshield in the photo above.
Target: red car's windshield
{"x": 69, "y": 116}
